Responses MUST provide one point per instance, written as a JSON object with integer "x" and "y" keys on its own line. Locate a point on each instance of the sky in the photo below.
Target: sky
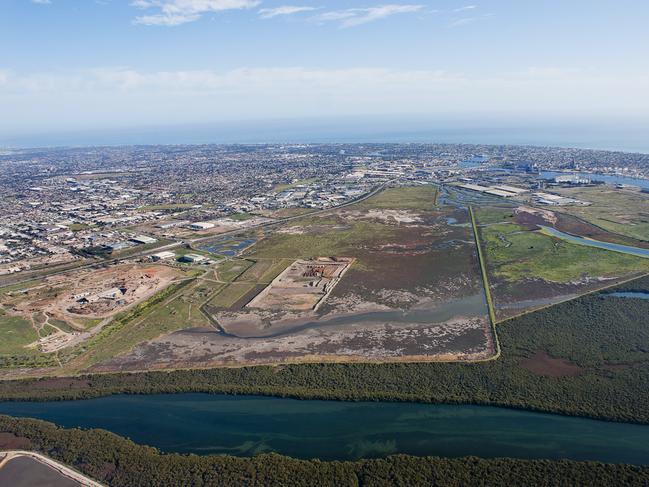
{"x": 100, "y": 64}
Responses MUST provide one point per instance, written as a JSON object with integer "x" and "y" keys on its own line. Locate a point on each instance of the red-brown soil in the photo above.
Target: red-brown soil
{"x": 542, "y": 364}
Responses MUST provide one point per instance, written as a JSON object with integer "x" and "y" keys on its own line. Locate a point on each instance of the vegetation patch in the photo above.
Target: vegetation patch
{"x": 515, "y": 255}
{"x": 231, "y": 294}
{"x": 421, "y": 197}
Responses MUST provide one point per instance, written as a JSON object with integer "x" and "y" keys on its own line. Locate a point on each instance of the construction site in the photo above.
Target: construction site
{"x": 68, "y": 308}
{"x": 303, "y": 285}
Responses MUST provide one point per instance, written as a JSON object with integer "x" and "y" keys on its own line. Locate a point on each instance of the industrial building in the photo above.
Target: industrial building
{"x": 193, "y": 258}
{"x": 166, "y": 255}
{"x": 201, "y": 226}
{"x": 143, "y": 239}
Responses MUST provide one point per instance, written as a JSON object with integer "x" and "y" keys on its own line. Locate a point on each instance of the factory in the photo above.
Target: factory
{"x": 193, "y": 258}
{"x": 502, "y": 190}
{"x": 143, "y": 239}
{"x": 200, "y": 226}
{"x": 549, "y": 199}
{"x": 166, "y": 255}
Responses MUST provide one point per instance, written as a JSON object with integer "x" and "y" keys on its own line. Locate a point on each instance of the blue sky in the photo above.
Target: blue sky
{"x": 71, "y": 64}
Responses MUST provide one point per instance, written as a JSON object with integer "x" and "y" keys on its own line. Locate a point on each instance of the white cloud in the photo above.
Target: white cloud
{"x": 463, "y": 21}
{"x": 469, "y": 20}
{"x": 268, "y": 13}
{"x": 128, "y": 96}
{"x": 42, "y": 2}
{"x": 176, "y": 12}
{"x": 358, "y": 16}
{"x": 465, "y": 8}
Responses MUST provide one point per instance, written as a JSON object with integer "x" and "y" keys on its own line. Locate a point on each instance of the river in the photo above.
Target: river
{"x": 625, "y": 249}
{"x": 246, "y": 425}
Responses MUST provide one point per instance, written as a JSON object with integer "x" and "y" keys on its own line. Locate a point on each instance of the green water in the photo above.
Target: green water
{"x": 246, "y": 425}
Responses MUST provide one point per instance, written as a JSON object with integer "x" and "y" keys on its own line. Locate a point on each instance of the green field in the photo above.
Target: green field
{"x": 402, "y": 198}
{"x": 15, "y": 333}
{"x": 488, "y": 214}
{"x": 332, "y": 237}
{"x": 283, "y": 187}
{"x": 265, "y": 270}
{"x": 75, "y": 227}
{"x": 168, "y": 207}
{"x": 621, "y": 211}
{"x": 229, "y": 270}
{"x": 241, "y": 216}
{"x": 231, "y": 294}
{"x": 514, "y": 253}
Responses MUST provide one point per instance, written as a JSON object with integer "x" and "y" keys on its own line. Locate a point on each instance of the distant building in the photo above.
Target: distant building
{"x": 113, "y": 246}
{"x": 193, "y": 258}
{"x": 571, "y": 179}
{"x": 172, "y": 224}
{"x": 166, "y": 255}
{"x": 143, "y": 239}
{"x": 511, "y": 189}
{"x": 201, "y": 225}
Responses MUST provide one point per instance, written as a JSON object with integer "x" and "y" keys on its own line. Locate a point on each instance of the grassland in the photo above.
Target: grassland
{"x": 241, "y": 216}
{"x": 168, "y": 207}
{"x": 333, "y": 237}
{"x": 621, "y": 211}
{"x": 75, "y": 227}
{"x": 283, "y": 187}
{"x": 402, "y": 198}
{"x": 289, "y": 212}
{"x": 229, "y": 270}
{"x": 264, "y": 270}
{"x": 231, "y": 294}
{"x": 389, "y": 255}
{"x": 240, "y": 277}
{"x": 515, "y": 254}
{"x": 15, "y": 334}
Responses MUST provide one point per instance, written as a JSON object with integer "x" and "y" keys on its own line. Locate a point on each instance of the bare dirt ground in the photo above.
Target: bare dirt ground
{"x": 386, "y": 216}
{"x": 102, "y": 293}
{"x": 302, "y": 285}
{"x": 63, "y": 305}
{"x": 461, "y": 338}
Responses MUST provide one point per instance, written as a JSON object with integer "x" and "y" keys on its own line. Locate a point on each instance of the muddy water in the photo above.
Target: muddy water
{"x": 469, "y": 306}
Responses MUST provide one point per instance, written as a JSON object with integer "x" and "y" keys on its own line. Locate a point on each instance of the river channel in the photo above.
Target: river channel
{"x": 334, "y": 430}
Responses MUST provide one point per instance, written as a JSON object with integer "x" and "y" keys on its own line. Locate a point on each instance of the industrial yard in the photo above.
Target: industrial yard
{"x": 69, "y": 308}
{"x": 303, "y": 285}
